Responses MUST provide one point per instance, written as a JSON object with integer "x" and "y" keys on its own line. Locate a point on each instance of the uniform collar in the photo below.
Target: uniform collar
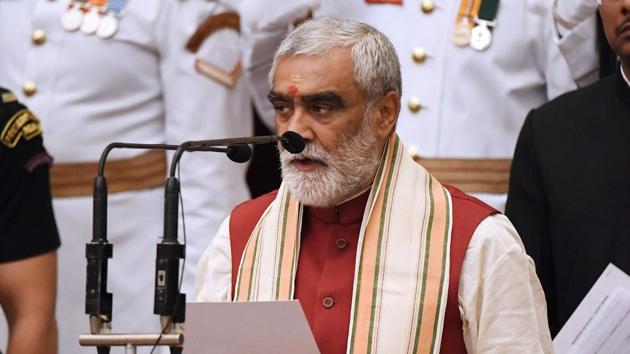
{"x": 349, "y": 212}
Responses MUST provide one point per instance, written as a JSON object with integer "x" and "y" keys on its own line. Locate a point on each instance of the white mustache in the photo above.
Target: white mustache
{"x": 310, "y": 152}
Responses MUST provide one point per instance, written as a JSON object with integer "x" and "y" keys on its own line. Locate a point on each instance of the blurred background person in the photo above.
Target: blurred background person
{"x": 28, "y": 233}
{"x": 472, "y": 70}
{"x": 95, "y": 72}
{"x": 569, "y": 193}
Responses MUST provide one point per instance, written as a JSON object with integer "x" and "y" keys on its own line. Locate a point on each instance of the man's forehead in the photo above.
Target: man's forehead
{"x": 297, "y": 68}
{"x": 303, "y": 75}
{"x": 296, "y": 78}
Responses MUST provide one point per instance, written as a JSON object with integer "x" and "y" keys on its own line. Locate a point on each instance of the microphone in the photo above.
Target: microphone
{"x": 292, "y": 142}
{"x": 239, "y": 153}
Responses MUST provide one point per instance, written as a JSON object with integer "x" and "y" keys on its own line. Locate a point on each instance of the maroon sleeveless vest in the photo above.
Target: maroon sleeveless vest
{"x": 468, "y": 212}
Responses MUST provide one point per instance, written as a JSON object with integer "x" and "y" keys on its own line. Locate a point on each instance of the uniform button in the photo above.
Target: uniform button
{"x": 29, "y": 88}
{"x": 328, "y": 302}
{"x": 427, "y": 6}
{"x": 414, "y": 104}
{"x": 419, "y": 55}
{"x": 341, "y": 243}
{"x": 38, "y": 37}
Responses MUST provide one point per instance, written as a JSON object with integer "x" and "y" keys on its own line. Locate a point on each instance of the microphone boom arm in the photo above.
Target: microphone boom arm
{"x": 168, "y": 302}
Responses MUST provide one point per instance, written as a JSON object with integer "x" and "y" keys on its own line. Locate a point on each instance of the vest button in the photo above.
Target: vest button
{"x": 328, "y": 302}
{"x": 341, "y": 243}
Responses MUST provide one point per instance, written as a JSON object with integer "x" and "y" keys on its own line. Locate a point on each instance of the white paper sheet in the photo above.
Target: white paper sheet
{"x": 247, "y": 328}
{"x": 601, "y": 323}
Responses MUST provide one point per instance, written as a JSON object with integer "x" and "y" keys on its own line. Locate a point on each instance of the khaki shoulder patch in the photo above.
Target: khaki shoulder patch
{"x": 23, "y": 124}
{"x": 210, "y": 25}
{"x": 227, "y": 77}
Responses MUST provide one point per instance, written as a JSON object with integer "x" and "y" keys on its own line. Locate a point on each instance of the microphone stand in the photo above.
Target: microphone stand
{"x": 169, "y": 303}
{"x": 98, "y": 302}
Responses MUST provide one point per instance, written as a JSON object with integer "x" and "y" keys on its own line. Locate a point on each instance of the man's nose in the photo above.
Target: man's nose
{"x": 300, "y": 123}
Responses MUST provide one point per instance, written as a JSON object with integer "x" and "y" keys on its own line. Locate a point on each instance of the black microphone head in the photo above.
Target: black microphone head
{"x": 292, "y": 142}
{"x": 239, "y": 153}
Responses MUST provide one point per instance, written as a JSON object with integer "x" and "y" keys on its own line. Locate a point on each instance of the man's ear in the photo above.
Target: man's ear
{"x": 386, "y": 112}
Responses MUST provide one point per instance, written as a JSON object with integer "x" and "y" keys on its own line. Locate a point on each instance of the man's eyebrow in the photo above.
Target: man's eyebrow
{"x": 273, "y": 96}
{"x": 324, "y": 97}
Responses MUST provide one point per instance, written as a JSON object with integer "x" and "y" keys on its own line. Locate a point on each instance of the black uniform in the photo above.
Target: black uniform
{"x": 569, "y": 192}
{"x": 27, "y": 224}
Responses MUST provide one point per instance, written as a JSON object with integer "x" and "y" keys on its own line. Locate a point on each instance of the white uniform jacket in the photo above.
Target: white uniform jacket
{"x": 141, "y": 86}
{"x": 472, "y": 103}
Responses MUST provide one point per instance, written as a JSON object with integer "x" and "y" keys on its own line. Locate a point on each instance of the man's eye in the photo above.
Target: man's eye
{"x": 282, "y": 109}
{"x": 321, "y": 109}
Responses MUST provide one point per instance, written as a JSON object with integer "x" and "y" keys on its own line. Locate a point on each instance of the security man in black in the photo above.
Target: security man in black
{"x": 28, "y": 232}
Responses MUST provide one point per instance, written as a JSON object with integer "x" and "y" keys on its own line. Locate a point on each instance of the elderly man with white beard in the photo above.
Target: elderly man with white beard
{"x": 382, "y": 257}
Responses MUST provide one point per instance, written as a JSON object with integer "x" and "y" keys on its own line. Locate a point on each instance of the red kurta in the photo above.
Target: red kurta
{"x": 325, "y": 273}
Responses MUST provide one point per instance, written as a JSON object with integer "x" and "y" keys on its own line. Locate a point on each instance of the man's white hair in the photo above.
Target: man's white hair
{"x": 376, "y": 65}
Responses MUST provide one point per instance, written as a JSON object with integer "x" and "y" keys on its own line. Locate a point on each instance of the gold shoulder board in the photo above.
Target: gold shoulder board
{"x": 23, "y": 124}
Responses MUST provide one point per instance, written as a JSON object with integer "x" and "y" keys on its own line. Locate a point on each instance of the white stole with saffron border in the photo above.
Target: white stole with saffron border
{"x": 402, "y": 262}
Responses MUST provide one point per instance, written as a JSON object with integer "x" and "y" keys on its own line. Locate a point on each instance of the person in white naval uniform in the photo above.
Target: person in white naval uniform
{"x": 170, "y": 73}
{"x": 464, "y": 107}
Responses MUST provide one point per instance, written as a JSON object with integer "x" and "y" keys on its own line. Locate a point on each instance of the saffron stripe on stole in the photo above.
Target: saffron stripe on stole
{"x": 279, "y": 251}
{"x": 443, "y": 289}
{"x": 359, "y": 270}
{"x": 412, "y": 345}
{"x": 244, "y": 281}
{"x": 385, "y": 235}
{"x": 289, "y": 241}
{"x": 434, "y": 268}
{"x": 257, "y": 264}
{"x": 248, "y": 259}
{"x": 364, "y": 302}
{"x": 296, "y": 253}
{"x": 419, "y": 306}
